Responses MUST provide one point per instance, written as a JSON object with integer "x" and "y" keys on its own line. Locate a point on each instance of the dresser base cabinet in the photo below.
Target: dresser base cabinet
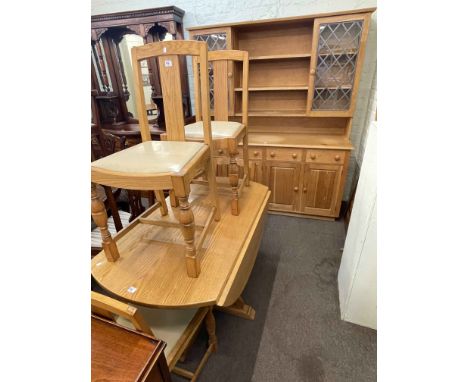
{"x": 311, "y": 183}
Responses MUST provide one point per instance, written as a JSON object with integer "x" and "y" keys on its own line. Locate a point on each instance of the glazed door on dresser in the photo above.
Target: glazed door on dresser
{"x": 337, "y": 55}
{"x": 320, "y": 187}
{"x": 283, "y": 180}
{"x": 216, "y": 39}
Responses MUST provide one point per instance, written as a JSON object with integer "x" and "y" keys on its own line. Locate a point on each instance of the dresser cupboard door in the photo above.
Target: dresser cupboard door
{"x": 321, "y": 184}
{"x": 283, "y": 180}
{"x": 337, "y": 55}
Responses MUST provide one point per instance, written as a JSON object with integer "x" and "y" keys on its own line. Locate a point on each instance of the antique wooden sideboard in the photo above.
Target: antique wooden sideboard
{"x": 118, "y": 353}
{"x": 303, "y": 85}
{"x": 112, "y": 37}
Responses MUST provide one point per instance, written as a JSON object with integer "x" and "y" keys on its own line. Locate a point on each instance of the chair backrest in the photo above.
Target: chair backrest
{"x": 107, "y": 307}
{"x": 168, "y": 54}
{"x": 219, "y": 60}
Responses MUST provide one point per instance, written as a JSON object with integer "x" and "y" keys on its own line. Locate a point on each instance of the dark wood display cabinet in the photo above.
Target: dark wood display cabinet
{"x": 112, "y": 37}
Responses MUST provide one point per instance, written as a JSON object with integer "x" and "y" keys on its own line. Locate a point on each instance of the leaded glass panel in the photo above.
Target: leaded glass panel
{"x": 215, "y": 41}
{"x": 338, "y": 49}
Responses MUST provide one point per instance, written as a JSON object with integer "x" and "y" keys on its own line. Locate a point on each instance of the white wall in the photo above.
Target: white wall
{"x": 357, "y": 277}
{"x": 204, "y": 12}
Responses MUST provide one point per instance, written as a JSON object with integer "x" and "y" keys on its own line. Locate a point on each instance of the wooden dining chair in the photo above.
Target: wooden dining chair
{"x": 163, "y": 165}
{"x": 227, "y": 135}
{"x": 177, "y": 327}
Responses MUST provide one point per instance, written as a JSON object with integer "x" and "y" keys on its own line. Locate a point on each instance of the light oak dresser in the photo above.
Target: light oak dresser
{"x": 303, "y": 86}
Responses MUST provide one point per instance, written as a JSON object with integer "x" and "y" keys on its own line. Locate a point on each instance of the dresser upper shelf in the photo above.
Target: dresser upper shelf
{"x": 272, "y": 88}
{"x": 280, "y": 56}
{"x": 275, "y": 113}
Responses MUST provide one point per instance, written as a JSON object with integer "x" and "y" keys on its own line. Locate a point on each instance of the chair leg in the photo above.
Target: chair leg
{"x": 99, "y": 214}
{"x": 136, "y": 208}
{"x": 186, "y": 219}
{"x": 245, "y": 148}
{"x": 173, "y": 198}
{"x": 234, "y": 181}
{"x": 161, "y": 199}
{"x": 210, "y": 325}
{"x": 113, "y": 207}
{"x": 211, "y": 175}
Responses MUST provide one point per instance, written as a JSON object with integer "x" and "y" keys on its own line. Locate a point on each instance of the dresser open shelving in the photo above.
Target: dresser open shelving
{"x": 303, "y": 83}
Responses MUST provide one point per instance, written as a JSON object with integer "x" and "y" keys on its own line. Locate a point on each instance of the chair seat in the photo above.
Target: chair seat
{"x": 151, "y": 157}
{"x": 219, "y": 129}
{"x": 96, "y": 238}
{"x": 167, "y": 324}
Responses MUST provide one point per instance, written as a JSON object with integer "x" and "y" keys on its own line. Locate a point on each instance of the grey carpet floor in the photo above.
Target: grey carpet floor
{"x": 297, "y": 334}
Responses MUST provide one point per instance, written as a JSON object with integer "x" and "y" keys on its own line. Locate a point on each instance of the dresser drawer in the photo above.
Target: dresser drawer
{"x": 325, "y": 156}
{"x": 254, "y": 152}
{"x": 282, "y": 154}
{"x": 218, "y": 152}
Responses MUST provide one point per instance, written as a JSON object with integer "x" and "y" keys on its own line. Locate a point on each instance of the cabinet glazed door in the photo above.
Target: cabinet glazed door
{"x": 337, "y": 55}
{"x": 216, "y": 39}
{"x": 283, "y": 180}
{"x": 320, "y": 189}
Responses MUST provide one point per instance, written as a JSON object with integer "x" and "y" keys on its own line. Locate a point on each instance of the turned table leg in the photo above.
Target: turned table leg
{"x": 98, "y": 212}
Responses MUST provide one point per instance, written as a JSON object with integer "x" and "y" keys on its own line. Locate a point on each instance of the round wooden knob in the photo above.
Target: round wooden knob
{"x": 312, "y": 72}
{"x": 304, "y": 189}
{"x": 337, "y": 158}
{"x": 313, "y": 156}
{"x": 294, "y": 155}
{"x": 256, "y": 153}
{"x": 220, "y": 151}
{"x": 296, "y": 189}
{"x": 229, "y": 74}
{"x": 272, "y": 154}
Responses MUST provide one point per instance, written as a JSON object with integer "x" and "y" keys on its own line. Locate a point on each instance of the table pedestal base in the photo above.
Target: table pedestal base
{"x": 239, "y": 309}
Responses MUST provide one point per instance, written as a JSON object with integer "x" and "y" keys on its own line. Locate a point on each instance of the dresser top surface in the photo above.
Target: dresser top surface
{"x": 308, "y": 141}
{"x": 284, "y": 19}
